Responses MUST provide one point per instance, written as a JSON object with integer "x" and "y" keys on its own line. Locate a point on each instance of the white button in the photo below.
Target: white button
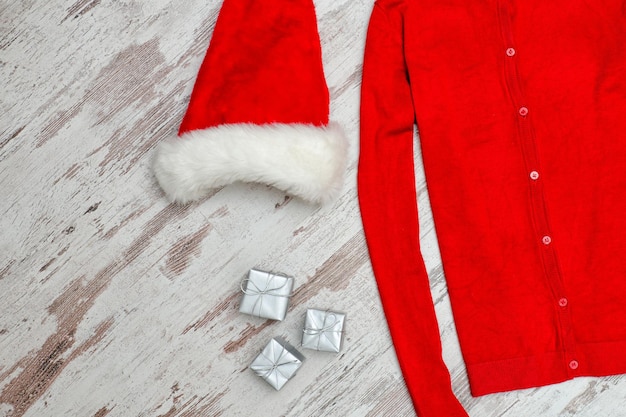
{"x": 563, "y": 302}
{"x": 573, "y": 364}
{"x": 534, "y": 175}
{"x": 546, "y": 240}
{"x": 510, "y": 52}
{"x": 523, "y": 111}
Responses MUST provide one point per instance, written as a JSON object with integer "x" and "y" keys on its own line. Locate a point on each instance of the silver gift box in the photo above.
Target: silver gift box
{"x": 323, "y": 330}
{"x": 277, "y": 363}
{"x": 266, "y": 294}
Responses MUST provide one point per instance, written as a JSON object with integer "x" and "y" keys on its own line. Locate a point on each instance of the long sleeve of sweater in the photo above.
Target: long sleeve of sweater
{"x": 387, "y": 196}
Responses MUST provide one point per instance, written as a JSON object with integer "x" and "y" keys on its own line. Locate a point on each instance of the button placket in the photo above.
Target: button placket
{"x": 540, "y": 212}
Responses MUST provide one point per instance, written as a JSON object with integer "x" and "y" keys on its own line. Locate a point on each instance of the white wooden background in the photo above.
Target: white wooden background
{"x": 116, "y": 303}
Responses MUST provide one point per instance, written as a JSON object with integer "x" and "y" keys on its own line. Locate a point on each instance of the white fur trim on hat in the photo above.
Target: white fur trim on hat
{"x": 304, "y": 160}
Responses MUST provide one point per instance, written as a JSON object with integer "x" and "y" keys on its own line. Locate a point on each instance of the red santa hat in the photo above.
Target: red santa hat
{"x": 259, "y": 109}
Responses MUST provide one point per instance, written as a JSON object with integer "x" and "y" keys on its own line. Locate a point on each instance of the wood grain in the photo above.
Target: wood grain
{"x": 116, "y": 303}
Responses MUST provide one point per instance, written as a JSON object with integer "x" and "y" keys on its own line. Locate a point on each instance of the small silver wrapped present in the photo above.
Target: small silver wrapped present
{"x": 266, "y": 294}
{"x": 323, "y": 330}
{"x": 277, "y": 363}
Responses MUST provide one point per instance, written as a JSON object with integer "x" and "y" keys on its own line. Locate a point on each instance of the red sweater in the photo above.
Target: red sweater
{"x": 521, "y": 111}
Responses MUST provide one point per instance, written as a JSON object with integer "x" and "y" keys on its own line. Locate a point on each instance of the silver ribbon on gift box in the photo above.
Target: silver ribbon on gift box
{"x": 266, "y": 294}
{"x": 277, "y": 363}
{"x": 323, "y": 330}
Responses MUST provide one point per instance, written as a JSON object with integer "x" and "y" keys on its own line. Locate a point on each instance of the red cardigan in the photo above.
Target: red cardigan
{"x": 521, "y": 111}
